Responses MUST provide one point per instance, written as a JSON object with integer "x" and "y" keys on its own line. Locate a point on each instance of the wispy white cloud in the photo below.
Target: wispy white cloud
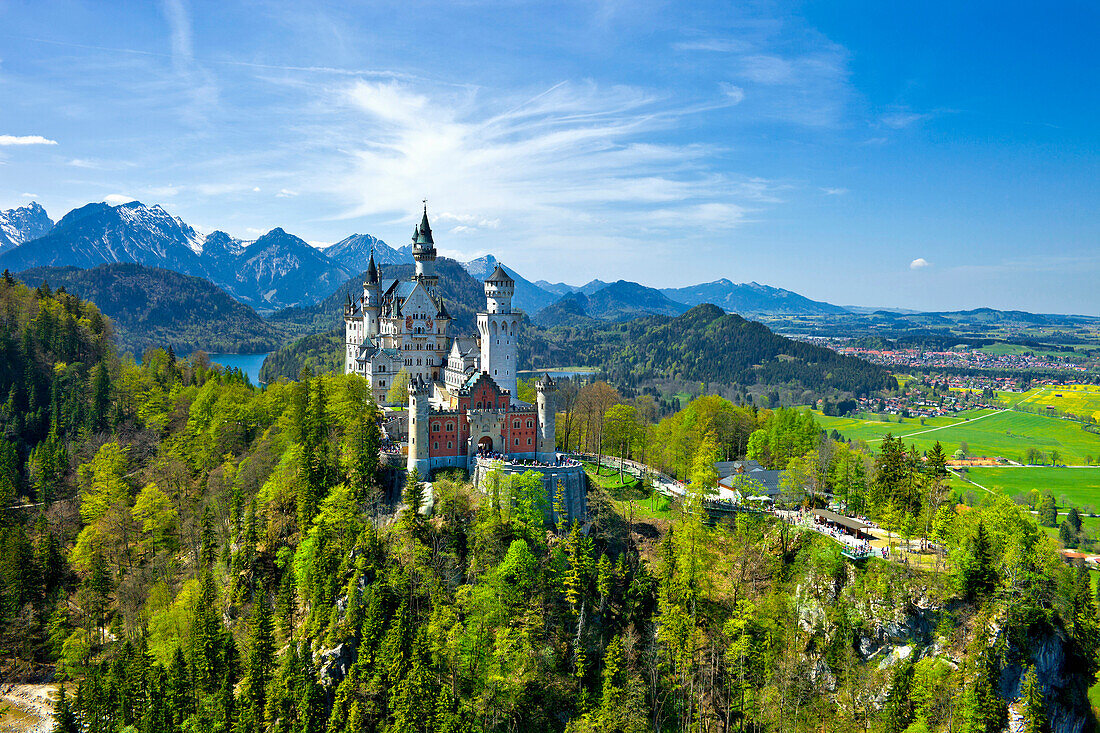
{"x": 201, "y": 88}
{"x": 734, "y": 92}
{"x": 834, "y": 191}
{"x": 115, "y": 199}
{"x": 902, "y": 118}
{"x": 29, "y": 195}
{"x": 714, "y": 45}
{"x": 919, "y": 264}
{"x": 26, "y": 140}
{"x": 284, "y": 193}
{"x": 574, "y": 159}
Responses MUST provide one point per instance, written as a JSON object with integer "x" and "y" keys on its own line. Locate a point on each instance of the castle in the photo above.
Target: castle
{"x": 462, "y": 390}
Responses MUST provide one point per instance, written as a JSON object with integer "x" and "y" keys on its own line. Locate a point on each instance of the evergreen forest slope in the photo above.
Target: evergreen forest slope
{"x": 153, "y": 307}
{"x": 704, "y": 344}
{"x": 188, "y": 552}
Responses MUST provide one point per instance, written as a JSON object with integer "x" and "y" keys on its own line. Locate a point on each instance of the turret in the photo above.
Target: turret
{"x": 499, "y": 289}
{"x": 423, "y": 247}
{"x": 419, "y": 459}
{"x": 499, "y": 329}
{"x": 546, "y": 450}
{"x": 372, "y": 299}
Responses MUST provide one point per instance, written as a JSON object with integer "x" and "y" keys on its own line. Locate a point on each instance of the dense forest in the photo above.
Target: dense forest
{"x": 151, "y": 307}
{"x": 185, "y": 551}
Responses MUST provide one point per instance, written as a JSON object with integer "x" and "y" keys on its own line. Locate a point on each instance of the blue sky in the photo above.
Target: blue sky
{"x": 925, "y": 155}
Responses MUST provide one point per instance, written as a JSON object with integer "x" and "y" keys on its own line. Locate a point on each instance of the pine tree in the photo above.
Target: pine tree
{"x": 1086, "y": 624}
{"x": 898, "y": 708}
{"x": 261, "y": 658}
{"x": 979, "y": 571}
{"x": 1034, "y": 704}
{"x": 413, "y": 496}
{"x": 101, "y": 398}
{"x": 64, "y": 719}
{"x": 937, "y": 461}
{"x": 208, "y": 540}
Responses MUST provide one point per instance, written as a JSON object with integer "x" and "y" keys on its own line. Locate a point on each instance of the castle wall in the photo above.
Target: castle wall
{"x": 573, "y": 478}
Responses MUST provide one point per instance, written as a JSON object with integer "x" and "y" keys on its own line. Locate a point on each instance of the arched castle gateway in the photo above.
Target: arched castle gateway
{"x": 463, "y": 412}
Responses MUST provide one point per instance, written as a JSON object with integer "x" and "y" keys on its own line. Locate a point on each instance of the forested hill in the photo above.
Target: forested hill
{"x": 187, "y": 552}
{"x": 462, "y": 294}
{"x": 153, "y": 307}
{"x": 704, "y": 344}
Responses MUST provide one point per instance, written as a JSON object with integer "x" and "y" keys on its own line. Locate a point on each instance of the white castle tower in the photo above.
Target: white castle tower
{"x": 546, "y": 450}
{"x": 424, "y": 252}
{"x": 419, "y": 409}
{"x": 372, "y": 299}
{"x": 499, "y": 329}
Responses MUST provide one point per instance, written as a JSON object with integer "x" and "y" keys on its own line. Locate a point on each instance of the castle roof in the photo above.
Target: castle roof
{"x": 372, "y": 270}
{"x": 422, "y": 235}
{"x": 500, "y": 276}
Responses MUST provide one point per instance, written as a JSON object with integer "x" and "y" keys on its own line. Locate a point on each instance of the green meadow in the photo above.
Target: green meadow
{"x": 1004, "y": 434}
{"x": 1079, "y": 487}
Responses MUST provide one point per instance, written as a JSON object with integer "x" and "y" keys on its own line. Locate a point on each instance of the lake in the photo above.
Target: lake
{"x": 248, "y": 363}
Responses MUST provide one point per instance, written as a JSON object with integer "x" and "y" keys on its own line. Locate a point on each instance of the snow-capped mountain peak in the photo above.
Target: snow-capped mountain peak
{"x": 23, "y": 224}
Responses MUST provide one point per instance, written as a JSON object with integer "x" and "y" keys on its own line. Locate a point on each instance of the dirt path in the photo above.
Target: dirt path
{"x": 30, "y": 708}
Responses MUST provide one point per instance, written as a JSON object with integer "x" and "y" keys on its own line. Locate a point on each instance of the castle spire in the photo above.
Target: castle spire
{"x": 372, "y": 270}
{"x": 424, "y": 231}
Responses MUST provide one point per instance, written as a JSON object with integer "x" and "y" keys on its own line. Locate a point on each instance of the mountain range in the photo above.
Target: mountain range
{"x": 280, "y": 270}
{"x": 276, "y": 270}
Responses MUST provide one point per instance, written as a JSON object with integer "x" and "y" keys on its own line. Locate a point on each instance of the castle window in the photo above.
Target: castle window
{"x": 449, "y": 445}
{"x": 450, "y": 426}
{"x": 528, "y": 441}
{"x": 435, "y": 427}
{"x": 530, "y": 424}
{"x": 435, "y": 445}
{"x": 515, "y": 424}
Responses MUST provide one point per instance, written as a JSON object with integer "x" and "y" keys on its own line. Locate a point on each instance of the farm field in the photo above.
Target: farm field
{"x": 1082, "y": 400}
{"x": 1079, "y": 487}
{"x": 1006, "y": 434}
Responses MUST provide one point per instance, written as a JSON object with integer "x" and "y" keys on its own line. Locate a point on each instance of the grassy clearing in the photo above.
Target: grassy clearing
{"x": 655, "y": 507}
{"x": 1079, "y": 487}
{"x": 1006, "y": 434}
{"x": 608, "y": 479}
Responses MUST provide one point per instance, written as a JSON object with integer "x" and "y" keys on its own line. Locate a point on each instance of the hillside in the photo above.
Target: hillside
{"x": 152, "y": 307}
{"x": 704, "y": 344}
{"x": 261, "y": 570}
